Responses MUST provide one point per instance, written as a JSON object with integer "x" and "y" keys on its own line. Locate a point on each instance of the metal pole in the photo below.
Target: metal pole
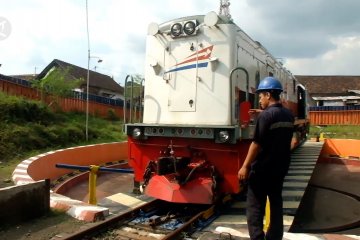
{"x": 88, "y": 76}
{"x": 92, "y": 184}
{"x": 131, "y": 98}
{"x": 87, "y": 168}
{"x": 141, "y": 94}
{"x": 125, "y": 100}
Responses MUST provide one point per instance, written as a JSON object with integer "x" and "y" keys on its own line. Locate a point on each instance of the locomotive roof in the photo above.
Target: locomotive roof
{"x": 165, "y": 27}
{"x": 198, "y": 18}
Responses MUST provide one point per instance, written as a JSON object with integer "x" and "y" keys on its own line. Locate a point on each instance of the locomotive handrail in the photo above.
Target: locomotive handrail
{"x": 140, "y": 100}
{"x": 231, "y": 92}
{"x": 131, "y": 99}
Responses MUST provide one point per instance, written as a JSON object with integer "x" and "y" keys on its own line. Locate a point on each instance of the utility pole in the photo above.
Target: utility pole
{"x": 88, "y": 75}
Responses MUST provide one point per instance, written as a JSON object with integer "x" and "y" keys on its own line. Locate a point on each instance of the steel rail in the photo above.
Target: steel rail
{"x": 115, "y": 222}
{"x": 107, "y": 223}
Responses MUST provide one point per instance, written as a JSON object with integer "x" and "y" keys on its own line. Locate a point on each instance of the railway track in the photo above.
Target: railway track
{"x": 156, "y": 219}
{"x": 163, "y": 220}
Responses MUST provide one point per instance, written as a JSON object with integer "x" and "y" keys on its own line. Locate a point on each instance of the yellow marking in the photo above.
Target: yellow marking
{"x": 126, "y": 200}
{"x": 208, "y": 213}
{"x": 226, "y": 199}
{"x": 267, "y": 215}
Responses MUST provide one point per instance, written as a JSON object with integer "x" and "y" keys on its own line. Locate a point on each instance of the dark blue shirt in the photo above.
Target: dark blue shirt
{"x": 273, "y": 132}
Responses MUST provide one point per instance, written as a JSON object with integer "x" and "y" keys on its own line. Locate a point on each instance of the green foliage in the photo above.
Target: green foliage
{"x": 19, "y": 110}
{"x": 137, "y": 84}
{"x": 29, "y": 125}
{"x": 336, "y": 131}
{"x": 111, "y": 115}
{"x": 57, "y": 83}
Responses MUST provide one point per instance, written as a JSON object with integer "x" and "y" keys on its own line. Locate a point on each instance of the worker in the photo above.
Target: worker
{"x": 267, "y": 162}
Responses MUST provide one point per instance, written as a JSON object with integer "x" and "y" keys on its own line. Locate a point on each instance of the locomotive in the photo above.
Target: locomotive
{"x": 201, "y": 75}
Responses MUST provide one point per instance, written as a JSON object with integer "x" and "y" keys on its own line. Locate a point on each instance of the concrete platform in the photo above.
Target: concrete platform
{"x": 114, "y": 192}
{"x": 234, "y": 222}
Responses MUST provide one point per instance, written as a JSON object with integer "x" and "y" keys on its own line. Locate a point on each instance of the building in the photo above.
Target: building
{"x": 27, "y": 77}
{"x": 99, "y": 84}
{"x": 331, "y": 90}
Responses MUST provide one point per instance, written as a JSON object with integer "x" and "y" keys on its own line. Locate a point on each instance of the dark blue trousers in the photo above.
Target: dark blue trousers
{"x": 259, "y": 187}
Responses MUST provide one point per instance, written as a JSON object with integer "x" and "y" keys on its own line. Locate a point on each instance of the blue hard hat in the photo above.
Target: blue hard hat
{"x": 268, "y": 84}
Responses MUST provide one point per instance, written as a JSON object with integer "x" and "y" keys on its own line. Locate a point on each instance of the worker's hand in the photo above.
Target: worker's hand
{"x": 255, "y": 111}
{"x": 243, "y": 173}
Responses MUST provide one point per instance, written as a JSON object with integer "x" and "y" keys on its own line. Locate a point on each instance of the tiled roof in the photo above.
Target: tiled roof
{"x": 96, "y": 79}
{"x": 27, "y": 77}
{"x": 329, "y": 85}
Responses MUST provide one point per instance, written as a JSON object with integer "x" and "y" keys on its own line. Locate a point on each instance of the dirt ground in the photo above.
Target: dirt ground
{"x": 52, "y": 226}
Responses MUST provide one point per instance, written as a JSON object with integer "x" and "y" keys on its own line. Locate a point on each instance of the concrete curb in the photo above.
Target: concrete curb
{"x": 78, "y": 209}
{"x": 75, "y": 208}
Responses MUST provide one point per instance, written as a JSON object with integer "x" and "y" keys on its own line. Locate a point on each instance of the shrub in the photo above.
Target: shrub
{"x": 30, "y": 125}
{"x": 111, "y": 115}
{"x": 19, "y": 110}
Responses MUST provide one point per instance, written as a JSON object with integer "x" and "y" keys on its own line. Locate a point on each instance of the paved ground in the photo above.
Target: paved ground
{"x": 107, "y": 184}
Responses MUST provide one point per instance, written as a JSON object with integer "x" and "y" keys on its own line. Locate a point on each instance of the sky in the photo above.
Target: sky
{"x": 312, "y": 37}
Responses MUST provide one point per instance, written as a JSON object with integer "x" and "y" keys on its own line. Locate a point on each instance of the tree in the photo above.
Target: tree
{"x": 135, "y": 90}
{"x": 137, "y": 86}
{"x": 57, "y": 83}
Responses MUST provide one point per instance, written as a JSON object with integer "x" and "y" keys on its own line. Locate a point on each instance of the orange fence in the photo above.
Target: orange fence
{"x": 339, "y": 117}
{"x": 65, "y": 104}
{"x": 19, "y": 90}
{"x": 347, "y": 117}
{"x": 95, "y": 109}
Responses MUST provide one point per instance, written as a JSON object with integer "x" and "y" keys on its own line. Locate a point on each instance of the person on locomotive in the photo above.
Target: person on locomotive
{"x": 267, "y": 161}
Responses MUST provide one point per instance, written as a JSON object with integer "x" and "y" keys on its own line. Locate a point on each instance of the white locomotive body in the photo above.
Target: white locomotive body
{"x": 188, "y": 76}
{"x": 200, "y": 79}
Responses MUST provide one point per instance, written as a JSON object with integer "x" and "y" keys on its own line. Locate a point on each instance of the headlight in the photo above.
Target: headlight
{"x": 176, "y": 29}
{"x": 189, "y": 28}
{"x": 136, "y": 133}
{"x": 223, "y": 136}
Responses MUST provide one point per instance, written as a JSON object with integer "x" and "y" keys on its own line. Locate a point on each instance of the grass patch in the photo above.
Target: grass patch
{"x": 29, "y": 128}
{"x": 336, "y": 131}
